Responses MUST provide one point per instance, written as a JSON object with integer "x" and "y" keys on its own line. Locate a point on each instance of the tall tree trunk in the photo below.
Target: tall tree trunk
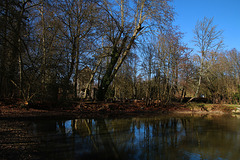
{"x": 3, "y": 54}
{"x": 16, "y": 55}
{"x": 199, "y": 80}
{"x": 70, "y": 72}
{"x": 91, "y": 78}
{"x": 76, "y": 70}
{"x": 20, "y": 70}
{"x": 107, "y": 78}
{"x": 117, "y": 59}
{"x": 43, "y": 65}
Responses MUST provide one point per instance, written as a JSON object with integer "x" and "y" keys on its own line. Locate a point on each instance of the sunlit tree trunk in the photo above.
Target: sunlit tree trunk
{"x": 91, "y": 78}
{"x": 44, "y": 59}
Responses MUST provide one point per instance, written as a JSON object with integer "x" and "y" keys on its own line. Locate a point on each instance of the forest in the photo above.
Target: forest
{"x": 130, "y": 49}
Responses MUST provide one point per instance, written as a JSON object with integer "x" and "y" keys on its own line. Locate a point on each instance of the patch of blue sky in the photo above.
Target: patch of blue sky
{"x": 226, "y": 14}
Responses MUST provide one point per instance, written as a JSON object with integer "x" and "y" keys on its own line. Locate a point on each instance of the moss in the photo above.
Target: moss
{"x": 193, "y": 106}
{"x": 230, "y": 108}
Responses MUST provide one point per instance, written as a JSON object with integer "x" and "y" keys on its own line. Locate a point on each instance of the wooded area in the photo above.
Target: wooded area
{"x": 132, "y": 49}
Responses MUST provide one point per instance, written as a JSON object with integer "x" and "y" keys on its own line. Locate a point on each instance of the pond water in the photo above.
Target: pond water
{"x": 140, "y": 137}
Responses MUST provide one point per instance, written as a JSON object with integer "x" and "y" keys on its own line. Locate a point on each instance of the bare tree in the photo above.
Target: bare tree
{"x": 13, "y": 30}
{"x": 168, "y": 55}
{"x": 77, "y": 18}
{"x": 148, "y": 65}
{"x": 209, "y": 40}
{"x": 125, "y": 22}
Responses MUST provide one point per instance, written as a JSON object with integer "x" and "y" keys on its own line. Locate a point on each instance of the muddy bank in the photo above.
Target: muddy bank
{"x": 103, "y": 109}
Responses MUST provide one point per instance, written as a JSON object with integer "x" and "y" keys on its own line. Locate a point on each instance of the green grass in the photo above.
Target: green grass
{"x": 210, "y": 107}
{"x": 232, "y": 105}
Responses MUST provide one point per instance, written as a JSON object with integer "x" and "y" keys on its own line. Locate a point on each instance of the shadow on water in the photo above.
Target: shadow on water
{"x": 158, "y": 137}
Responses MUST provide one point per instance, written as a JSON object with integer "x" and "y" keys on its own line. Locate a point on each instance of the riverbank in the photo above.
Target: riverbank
{"x": 17, "y": 109}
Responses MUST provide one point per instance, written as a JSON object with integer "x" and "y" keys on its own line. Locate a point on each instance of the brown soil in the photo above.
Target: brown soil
{"x": 17, "y": 109}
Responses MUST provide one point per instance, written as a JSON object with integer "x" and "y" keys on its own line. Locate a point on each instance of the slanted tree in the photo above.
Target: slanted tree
{"x": 124, "y": 22}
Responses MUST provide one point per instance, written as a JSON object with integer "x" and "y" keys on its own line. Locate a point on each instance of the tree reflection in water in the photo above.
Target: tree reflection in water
{"x": 159, "y": 137}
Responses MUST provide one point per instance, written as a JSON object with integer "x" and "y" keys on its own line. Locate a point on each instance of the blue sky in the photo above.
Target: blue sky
{"x": 226, "y": 15}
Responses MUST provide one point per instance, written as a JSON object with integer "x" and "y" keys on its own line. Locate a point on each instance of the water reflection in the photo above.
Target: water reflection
{"x": 160, "y": 137}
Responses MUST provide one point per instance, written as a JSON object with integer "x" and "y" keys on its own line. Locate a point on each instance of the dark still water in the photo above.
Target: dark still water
{"x": 145, "y": 137}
